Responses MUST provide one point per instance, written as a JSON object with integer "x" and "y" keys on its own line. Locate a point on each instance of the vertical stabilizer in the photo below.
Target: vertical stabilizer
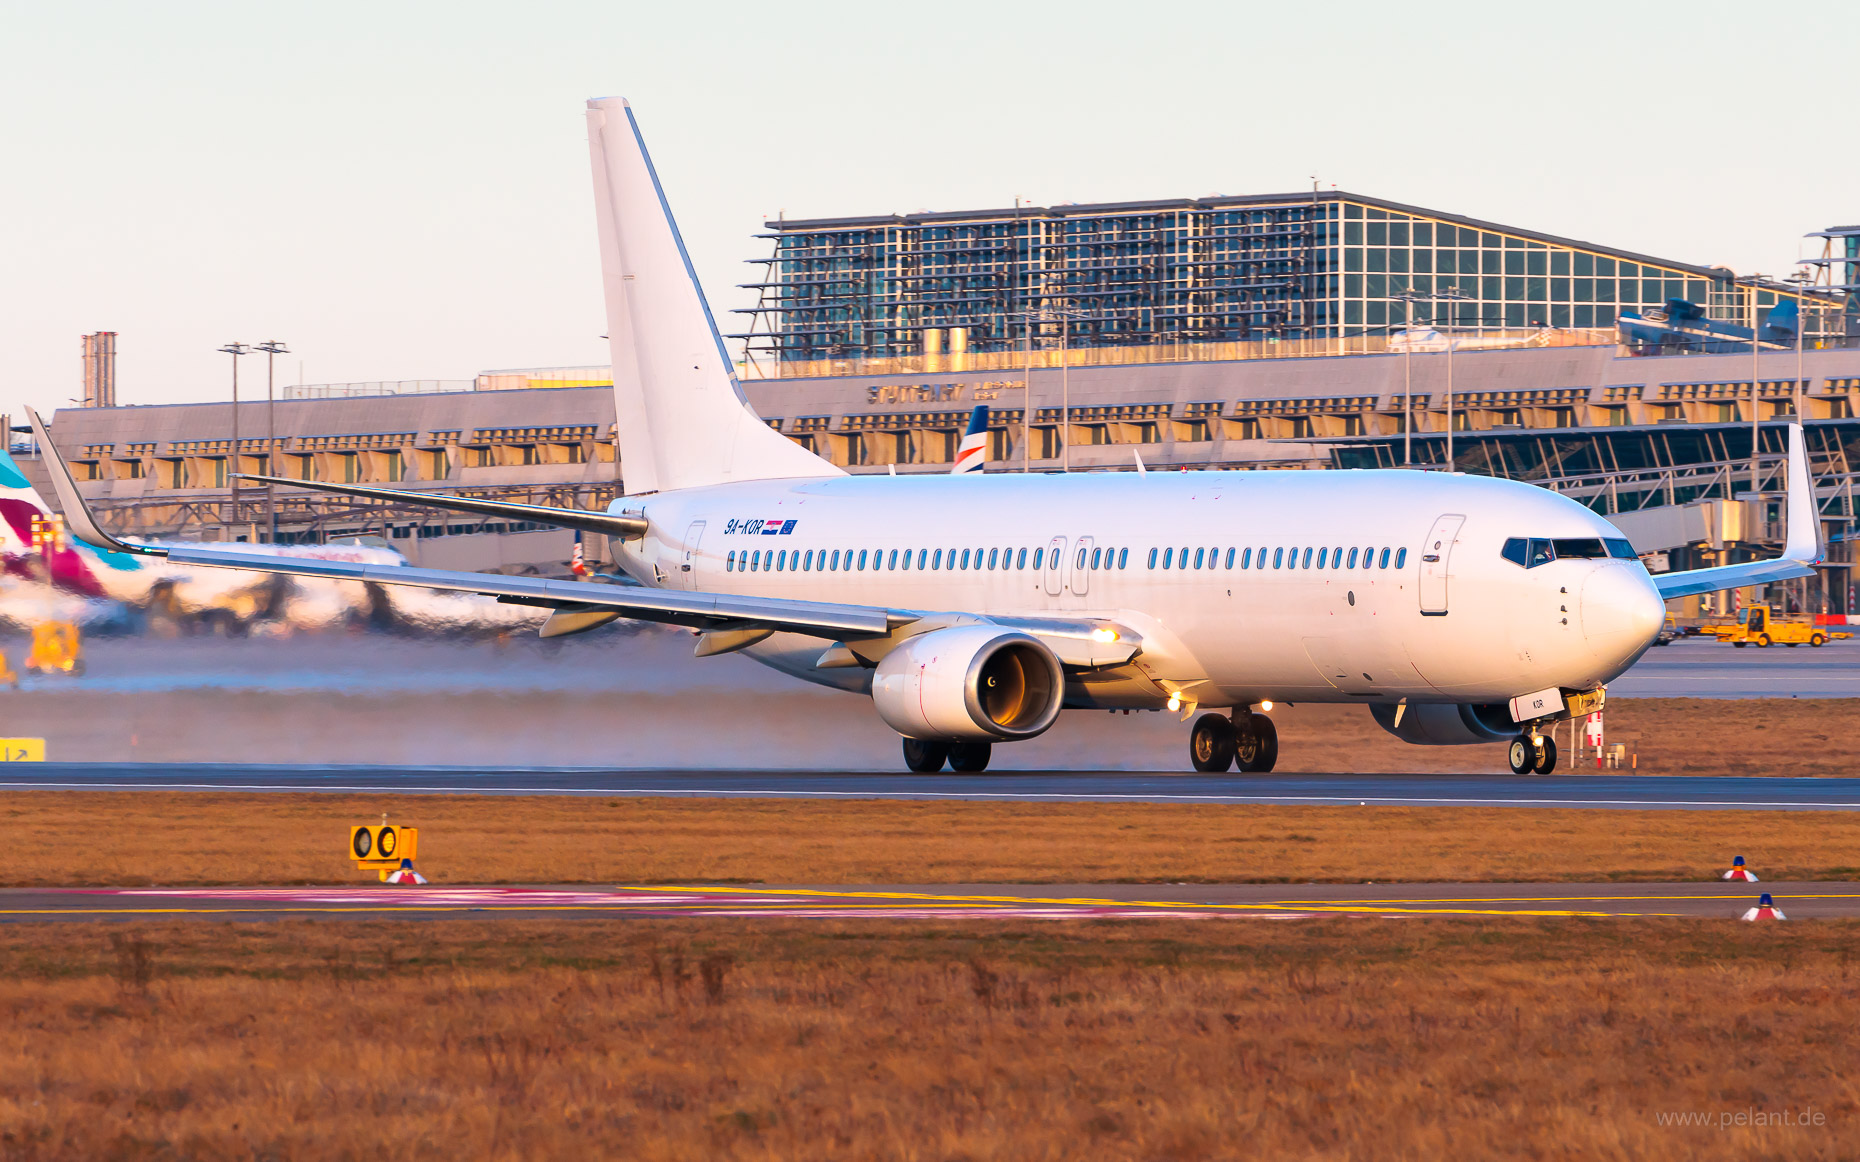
{"x": 683, "y": 420}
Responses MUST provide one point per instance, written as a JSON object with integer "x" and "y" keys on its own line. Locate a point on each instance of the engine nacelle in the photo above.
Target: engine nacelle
{"x": 969, "y": 683}
{"x": 1448, "y": 725}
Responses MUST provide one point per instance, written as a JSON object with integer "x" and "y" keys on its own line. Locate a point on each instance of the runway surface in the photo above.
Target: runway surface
{"x": 1593, "y": 791}
{"x": 944, "y": 902}
{"x": 1704, "y": 668}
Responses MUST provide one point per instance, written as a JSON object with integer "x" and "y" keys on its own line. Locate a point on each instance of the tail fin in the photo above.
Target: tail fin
{"x": 19, "y": 503}
{"x": 683, "y": 420}
{"x": 972, "y": 453}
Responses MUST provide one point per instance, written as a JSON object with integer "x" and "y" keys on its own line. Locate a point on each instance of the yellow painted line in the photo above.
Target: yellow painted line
{"x": 1173, "y": 905}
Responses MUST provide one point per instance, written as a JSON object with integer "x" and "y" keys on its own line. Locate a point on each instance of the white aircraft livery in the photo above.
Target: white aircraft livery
{"x": 973, "y": 609}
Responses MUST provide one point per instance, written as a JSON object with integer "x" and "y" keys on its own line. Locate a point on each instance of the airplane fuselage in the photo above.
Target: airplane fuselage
{"x": 1355, "y": 586}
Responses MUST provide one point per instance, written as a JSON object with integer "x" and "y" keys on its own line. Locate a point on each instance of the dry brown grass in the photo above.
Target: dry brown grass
{"x": 1155, "y": 1040}
{"x": 188, "y": 838}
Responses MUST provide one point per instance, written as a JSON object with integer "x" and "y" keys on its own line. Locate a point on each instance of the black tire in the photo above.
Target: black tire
{"x": 924, "y": 756}
{"x": 1521, "y": 755}
{"x": 1546, "y": 756}
{"x": 1256, "y": 745}
{"x": 364, "y": 842}
{"x": 1740, "y": 645}
{"x": 1211, "y": 745}
{"x": 969, "y": 758}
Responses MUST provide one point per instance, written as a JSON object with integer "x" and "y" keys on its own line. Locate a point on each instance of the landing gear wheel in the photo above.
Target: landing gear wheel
{"x": 1212, "y": 743}
{"x": 1546, "y": 756}
{"x": 1523, "y": 756}
{"x": 1763, "y": 641}
{"x": 1256, "y": 744}
{"x": 969, "y": 758}
{"x": 1818, "y": 641}
{"x": 925, "y": 757}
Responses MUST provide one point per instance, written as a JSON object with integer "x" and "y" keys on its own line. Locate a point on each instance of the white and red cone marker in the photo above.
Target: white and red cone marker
{"x": 406, "y": 875}
{"x": 1740, "y": 872}
{"x": 1766, "y": 909}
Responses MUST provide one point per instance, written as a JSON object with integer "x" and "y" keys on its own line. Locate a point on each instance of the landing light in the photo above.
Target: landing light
{"x": 1175, "y": 703}
{"x": 1266, "y": 706}
{"x": 1104, "y": 635}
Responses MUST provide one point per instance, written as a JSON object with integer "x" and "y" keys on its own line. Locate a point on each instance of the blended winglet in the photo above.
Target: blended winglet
{"x": 1802, "y": 548}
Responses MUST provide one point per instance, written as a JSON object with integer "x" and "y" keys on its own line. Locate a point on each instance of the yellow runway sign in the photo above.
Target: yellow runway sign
{"x": 22, "y": 750}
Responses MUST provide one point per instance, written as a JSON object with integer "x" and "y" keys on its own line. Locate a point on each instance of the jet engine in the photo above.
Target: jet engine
{"x": 969, "y": 683}
{"x": 1447, "y": 725}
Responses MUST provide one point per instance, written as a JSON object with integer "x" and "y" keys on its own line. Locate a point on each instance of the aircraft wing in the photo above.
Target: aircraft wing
{"x": 1801, "y": 550}
{"x": 1078, "y": 642}
{"x": 568, "y": 518}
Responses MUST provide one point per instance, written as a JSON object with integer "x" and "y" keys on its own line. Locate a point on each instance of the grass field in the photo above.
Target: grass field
{"x": 1024, "y": 1040}
{"x": 117, "y": 838}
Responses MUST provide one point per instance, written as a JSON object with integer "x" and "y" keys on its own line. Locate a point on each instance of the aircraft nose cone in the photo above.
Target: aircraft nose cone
{"x": 1621, "y": 612}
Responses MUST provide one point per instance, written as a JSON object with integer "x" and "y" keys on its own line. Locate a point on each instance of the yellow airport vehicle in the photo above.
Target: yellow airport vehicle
{"x": 8, "y": 675}
{"x": 57, "y": 648}
{"x": 383, "y": 846}
{"x": 1758, "y": 625}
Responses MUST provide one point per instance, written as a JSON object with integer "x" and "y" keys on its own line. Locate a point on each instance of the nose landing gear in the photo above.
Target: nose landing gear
{"x": 1532, "y": 754}
{"x": 1248, "y": 741}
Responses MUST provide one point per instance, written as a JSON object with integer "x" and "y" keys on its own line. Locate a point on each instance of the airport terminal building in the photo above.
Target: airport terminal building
{"x": 1314, "y": 331}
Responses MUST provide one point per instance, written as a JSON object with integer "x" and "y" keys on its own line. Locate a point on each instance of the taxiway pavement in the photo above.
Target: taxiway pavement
{"x": 933, "y": 902}
{"x": 1600, "y": 790}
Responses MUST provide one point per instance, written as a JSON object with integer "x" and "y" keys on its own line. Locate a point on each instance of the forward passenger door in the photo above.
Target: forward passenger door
{"x": 1081, "y": 566}
{"x": 1436, "y": 554}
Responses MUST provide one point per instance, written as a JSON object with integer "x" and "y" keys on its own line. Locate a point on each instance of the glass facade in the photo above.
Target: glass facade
{"x": 1280, "y": 267}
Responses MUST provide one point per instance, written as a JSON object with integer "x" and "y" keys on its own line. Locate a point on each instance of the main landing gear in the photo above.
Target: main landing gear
{"x": 927, "y": 757}
{"x": 1532, "y": 754}
{"x": 1247, "y": 740}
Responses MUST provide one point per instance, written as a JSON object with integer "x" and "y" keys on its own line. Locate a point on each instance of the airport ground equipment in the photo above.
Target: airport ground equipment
{"x": 57, "y": 648}
{"x": 8, "y": 675}
{"x": 384, "y": 847}
{"x": 1758, "y": 625}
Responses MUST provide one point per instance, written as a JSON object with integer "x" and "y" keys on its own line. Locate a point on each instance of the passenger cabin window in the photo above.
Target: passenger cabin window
{"x": 1401, "y": 557}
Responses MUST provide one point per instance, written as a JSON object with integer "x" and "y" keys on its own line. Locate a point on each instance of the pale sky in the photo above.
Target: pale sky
{"x": 401, "y": 190}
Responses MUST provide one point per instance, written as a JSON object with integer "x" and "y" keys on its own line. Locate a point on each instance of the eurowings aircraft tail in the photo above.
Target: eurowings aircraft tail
{"x": 683, "y": 419}
{"x": 973, "y": 452}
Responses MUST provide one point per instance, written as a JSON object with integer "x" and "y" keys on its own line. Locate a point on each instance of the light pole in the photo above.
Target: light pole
{"x": 1036, "y": 316}
{"x": 1411, "y": 297}
{"x": 235, "y": 350}
{"x": 1756, "y": 401}
{"x": 272, "y": 349}
{"x": 1451, "y": 295}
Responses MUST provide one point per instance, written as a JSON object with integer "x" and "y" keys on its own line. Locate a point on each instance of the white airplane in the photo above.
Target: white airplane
{"x": 1458, "y": 609}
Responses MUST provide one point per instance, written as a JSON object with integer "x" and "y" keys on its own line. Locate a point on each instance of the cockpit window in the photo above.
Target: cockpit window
{"x": 1620, "y": 549}
{"x": 1580, "y": 547}
{"x": 1531, "y": 552}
